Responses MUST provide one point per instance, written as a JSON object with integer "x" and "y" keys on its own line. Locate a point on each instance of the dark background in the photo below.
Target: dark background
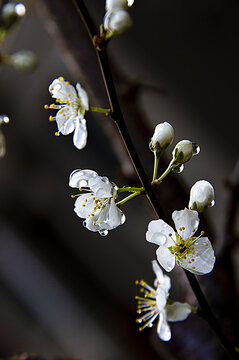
{"x": 65, "y": 291}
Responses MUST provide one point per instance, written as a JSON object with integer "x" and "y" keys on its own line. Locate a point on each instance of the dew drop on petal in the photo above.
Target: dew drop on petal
{"x": 178, "y": 168}
{"x": 84, "y": 223}
{"x": 103, "y": 232}
{"x": 212, "y": 203}
{"x": 196, "y": 148}
{"x": 20, "y": 9}
{"x": 123, "y": 218}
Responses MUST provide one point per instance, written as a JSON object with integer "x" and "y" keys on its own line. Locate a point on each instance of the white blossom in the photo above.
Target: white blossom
{"x": 113, "y": 5}
{"x": 72, "y": 105}
{"x": 117, "y": 21}
{"x": 96, "y": 202}
{"x": 193, "y": 253}
{"x": 184, "y": 151}
{"x": 155, "y": 303}
{"x": 201, "y": 196}
{"x": 162, "y": 137}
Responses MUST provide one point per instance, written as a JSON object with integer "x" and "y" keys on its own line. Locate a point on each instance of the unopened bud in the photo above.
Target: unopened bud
{"x": 24, "y": 60}
{"x": 113, "y": 5}
{"x": 11, "y": 12}
{"x": 201, "y": 196}
{"x": 183, "y": 151}
{"x": 117, "y": 22}
{"x": 162, "y": 137}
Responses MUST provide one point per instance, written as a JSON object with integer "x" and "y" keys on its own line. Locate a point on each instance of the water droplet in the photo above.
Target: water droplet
{"x": 150, "y": 325}
{"x": 20, "y": 9}
{"x": 196, "y": 148}
{"x": 103, "y": 232}
{"x": 212, "y": 203}
{"x": 84, "y": 223}
{"x": 123, "y": 218}
{"x": 151, "y": 146}
{"x": 178, "y": 168}
{"x": 4, "y": 119}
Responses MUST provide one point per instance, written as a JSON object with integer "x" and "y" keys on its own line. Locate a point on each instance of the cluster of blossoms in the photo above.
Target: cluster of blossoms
{"x": 96, "y": 202}
{"x": 117, "y": 19}
{"x": 155, "y": 304}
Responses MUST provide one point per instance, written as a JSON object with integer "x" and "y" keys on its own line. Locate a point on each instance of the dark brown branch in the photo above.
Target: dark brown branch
{"x": 119, "y": 120}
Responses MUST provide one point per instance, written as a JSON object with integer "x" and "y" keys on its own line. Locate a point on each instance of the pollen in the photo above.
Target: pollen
{"x": 61, "y": 78}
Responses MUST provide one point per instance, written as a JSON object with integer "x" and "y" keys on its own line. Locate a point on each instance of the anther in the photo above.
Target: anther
{"x": 46, "y": 107}
{"x": 61, "y": 78}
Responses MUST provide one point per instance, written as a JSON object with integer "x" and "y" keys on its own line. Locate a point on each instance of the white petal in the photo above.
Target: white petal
{"x": 60, "y": 89}
{"x": 83, "y": 97}
{"x": 158, "y": 233}
{"x": 117, "y": 21}
{"x": 77, "y": 176}
{"x": 162, "y": 281}
{"x": 157, "y": 270}
{"x": 165, "y": 258}
{"x": 109, "y": 217}
{"x": 84, "y": 208}
{"x": 90, "y": 223}
{"x": 161, "y": 298}
{"x": 113, "y": 5}
{"x": 101, "y": 187}
{"x": 178, "y": 311}
{"x": 65, "y": 126}
{"x": 80, "y": 134}
{"x": 163, "y": 328}
{"x": 201, "y": 258}
{"x": 187, "y": 219}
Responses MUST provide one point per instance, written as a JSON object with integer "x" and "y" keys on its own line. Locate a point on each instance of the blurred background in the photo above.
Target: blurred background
{"x": 68, "y": 292}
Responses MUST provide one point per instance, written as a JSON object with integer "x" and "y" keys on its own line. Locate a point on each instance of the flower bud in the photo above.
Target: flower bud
{"x": 117, "y": 22}
{"x": 183, "y": 151}
{"x": 201, "y": 196}
{"x": 11, "y": 13}
{"x": 162, "y": 137}
{"x": 113, "y": 5}
{"x": 24, "y": 60}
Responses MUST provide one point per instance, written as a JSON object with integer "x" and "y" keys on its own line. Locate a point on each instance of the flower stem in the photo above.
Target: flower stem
{"x": 166, "y": 172}
{"x": 100, "y": 110}
{"x": 156, "y": 164}
{"x": 131, "y": 189}
{"x": 128, "y": 198}
{"x": 119, "y": 120}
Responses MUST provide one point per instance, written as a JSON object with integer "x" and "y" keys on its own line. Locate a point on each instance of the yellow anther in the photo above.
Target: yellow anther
{"x": 202, "y": 232}
{"x": 67, "y": 83}
{"x": 61, "y": 78}
{"x": 193, "y": 268}
{"x": 69, "y": 94}
{"x": 67, "y": 109}
{"x": 85, "y": 200}
{"x": 73, "y": 196}
{"x": 194, "y": 230}
{"x": 67, "y": 117}
{"x": 94, "y": 223}
{"x": 80, "y": 189}
{"x": 46, "y": 107}
{"x": 62, "y": 124}
{"x": 170, "y": 234}
{"x": 100, "y": 222}
{"x": 52, "y": 106}
{"x": 51, "y": 118}
{"x": 83, "y": 205}
{"x": 61, "y": 111}
{"x": 193, "y": 260}
{"x": 57, "y": 134}
{"x": 51, "y": 87}
{"x": 136, "y": 282}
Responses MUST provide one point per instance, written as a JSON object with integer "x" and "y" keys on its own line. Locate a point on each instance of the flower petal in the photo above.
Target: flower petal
{"x": 80, "y": 134}
{"x": 101, "y": 187}
{"x": 62, "y": 90}
{"x": 163, "y": 328}
{"x": 83, "y": 97}
{"x": 161, "y": 298}
{"x": 187, "y": 219}
{"x": 77, "y": 176}
{"x": 165, "y": 258}
{"x": 84, "y": 205}
{"x": 110, "y": 216}
{"x": 158, "y": 233}
{"x": 161, "y": 280}
{"x": 65, "y": 126}
{"x": 178, "y": 311}
{"x": 200, "y": 260}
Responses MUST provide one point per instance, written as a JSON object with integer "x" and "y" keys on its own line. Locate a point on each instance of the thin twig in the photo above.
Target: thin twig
{"x": 119, "y": 120}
